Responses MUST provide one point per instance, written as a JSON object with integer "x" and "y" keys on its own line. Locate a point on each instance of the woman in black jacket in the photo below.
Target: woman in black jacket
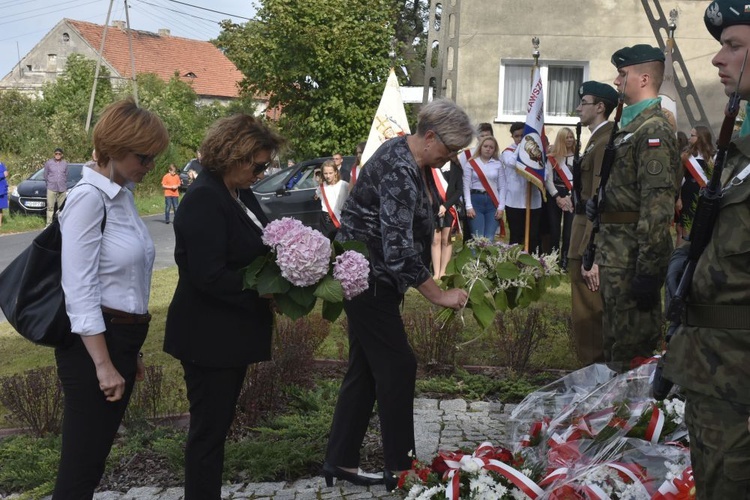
{"x": 214, "y": 327}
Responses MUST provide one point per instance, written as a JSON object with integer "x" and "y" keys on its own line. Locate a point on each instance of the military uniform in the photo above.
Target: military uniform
{"x": 587, "y": 305}
{"x": 634, "y": 239}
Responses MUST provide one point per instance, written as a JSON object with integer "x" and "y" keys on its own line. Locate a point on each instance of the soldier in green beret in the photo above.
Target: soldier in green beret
{"x": 598, "y": 100}
{"x": 709, "y": 355}
{"x": 636, "y": 212}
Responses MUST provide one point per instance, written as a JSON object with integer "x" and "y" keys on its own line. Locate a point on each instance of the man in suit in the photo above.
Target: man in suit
{"x": 597, "y": 102}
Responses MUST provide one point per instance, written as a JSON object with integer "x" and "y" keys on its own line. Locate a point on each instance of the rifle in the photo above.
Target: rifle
{"x": 576, "y": 194}
{"x": 607, "y": 161}
{"x": 700, "y": 234}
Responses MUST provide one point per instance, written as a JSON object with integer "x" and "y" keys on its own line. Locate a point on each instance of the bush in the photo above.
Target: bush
{"x": 34, "y": 400}
{"x": 148, "y": 400}
{"x": 29, "y": 464}
{"x": 294, "y": 344}
{"x": 433, "y": 345}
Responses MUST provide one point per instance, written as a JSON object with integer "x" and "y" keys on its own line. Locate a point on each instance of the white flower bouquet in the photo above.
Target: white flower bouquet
{"x": 498, "y": 277}
{"x": 304, "y": 266}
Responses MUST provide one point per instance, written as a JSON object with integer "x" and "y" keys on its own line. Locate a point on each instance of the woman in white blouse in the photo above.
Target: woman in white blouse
{"x": 332, "y": 193}
{"x": 484, "y": 189}
{"x": 107, "y": 257}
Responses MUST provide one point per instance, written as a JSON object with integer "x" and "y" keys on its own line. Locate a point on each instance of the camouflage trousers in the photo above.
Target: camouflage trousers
{"x": 719, "y": 447}
{"x": 627, "y": 332}
{"x": 586, "y": 316}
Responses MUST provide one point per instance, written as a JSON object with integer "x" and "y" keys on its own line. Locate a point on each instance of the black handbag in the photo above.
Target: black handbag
{"x": 31, "y": 293}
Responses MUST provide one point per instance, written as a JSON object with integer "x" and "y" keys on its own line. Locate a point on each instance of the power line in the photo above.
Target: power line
{"x": 178, "y": 12}
{"x": 49, "y": 12}
{"x": 210, "y": 10}
{"x": 203, "y": 30}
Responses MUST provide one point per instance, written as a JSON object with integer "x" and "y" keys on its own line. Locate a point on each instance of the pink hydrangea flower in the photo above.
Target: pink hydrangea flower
{"x": 303, "y": 254}
{"x": 351, "y": 269}
{"x": 279, "y": 231}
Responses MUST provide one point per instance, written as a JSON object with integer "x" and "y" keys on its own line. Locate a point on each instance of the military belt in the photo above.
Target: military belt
{"x": 733, "y": 317}
{"x": 619, "y": 217}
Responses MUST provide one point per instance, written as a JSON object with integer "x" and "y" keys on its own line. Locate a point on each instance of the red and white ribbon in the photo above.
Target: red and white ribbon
{"x": 655, "y": 425}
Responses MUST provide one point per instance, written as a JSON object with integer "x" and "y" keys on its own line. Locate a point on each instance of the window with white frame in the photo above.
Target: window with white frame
{"x": 561, "y": 80}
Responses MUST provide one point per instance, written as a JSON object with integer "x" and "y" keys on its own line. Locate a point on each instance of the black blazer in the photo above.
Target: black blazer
{"x": 211, "y": 320}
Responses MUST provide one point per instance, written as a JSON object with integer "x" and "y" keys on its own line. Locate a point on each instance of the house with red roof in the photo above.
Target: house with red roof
{"x": 210, "y": 73}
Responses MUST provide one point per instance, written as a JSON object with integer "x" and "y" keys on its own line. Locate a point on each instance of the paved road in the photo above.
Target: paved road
{"x": 163, "y": 234}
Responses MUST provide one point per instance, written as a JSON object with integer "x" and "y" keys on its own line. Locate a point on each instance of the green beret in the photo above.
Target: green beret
{"x": 601, "y": 90}
{"x": 636, "y": 54}
{"x": 723, "y": 13}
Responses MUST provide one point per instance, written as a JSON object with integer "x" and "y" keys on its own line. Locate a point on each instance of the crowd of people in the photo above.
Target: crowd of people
{"x": 631, "y": 181}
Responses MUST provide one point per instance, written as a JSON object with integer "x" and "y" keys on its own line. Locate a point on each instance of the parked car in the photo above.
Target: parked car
{"x": 185, "y": 173}
{"x": 30, "y": 196}
{"x": 289, "y": 192}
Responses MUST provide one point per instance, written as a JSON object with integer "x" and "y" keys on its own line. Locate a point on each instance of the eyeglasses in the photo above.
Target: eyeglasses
{"x": 259, "y": 168}
{"x": 144, "y": 159}
{"x": 584, "y": 103}
{"x": 451, "y": 151}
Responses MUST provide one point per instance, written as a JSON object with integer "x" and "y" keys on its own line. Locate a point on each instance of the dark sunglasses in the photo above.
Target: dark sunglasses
{"x": 144, "y": 159}
{"x": 259, "y": 168}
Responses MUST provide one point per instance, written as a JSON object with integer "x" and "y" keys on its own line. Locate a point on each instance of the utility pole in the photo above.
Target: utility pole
{"x": 98, "y": 67}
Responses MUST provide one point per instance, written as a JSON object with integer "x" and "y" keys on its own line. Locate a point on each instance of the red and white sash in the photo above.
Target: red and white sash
{"x": 328, "y": 207}
{"x": 563, "y": 172}
{"x": 442, "y": 185}
{"x": 695, "y": 169}
{"x": 485, "y": 183}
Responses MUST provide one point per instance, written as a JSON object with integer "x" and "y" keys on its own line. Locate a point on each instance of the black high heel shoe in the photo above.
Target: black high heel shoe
{"x": 390, "y": 480}
{"x": 359, "y": 479}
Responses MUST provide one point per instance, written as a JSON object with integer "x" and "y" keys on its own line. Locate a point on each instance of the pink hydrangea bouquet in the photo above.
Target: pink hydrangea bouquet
{"x": 304, "y": 266}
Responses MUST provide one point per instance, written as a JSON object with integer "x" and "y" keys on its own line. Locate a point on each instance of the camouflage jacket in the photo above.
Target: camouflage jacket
{"x": 644, "y": 180}
{"x": 716, "y": 361}
{"x": 591, "y": 165}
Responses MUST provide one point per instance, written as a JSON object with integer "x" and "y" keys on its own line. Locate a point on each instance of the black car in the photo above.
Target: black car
{"x": 30, "y": 196}
{"x": 289, "y": 192}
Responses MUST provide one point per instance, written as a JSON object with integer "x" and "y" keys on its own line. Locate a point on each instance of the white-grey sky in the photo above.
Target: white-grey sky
{"x": 24, "y": 22}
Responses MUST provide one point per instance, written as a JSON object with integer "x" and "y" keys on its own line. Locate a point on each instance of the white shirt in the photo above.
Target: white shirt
{"x": 112, "y": 269}
{"x": 494, "y": 173}
{"x": 336, "y": 195}
{"x": 515, "y": 196}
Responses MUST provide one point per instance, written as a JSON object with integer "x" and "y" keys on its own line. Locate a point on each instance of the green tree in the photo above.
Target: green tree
{"x": 324, "y": 62}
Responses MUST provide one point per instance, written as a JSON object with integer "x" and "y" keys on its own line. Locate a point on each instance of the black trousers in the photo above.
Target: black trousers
{"x": 517, "y": 226}
{"x": 327, "y": 227}
{"x": 382, "y": 368}
{"x": 90, "y": 422}
{"x": 556, "y": 216}
{"x": 213, "y": 394}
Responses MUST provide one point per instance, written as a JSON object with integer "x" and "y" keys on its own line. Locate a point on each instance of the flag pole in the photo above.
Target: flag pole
{"x": 535, "y": 54}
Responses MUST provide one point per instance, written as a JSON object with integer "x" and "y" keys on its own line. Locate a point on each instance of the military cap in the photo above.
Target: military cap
{"x": 601, "y": 90}
{"x": 58, "y": 150}
{"x": 722, "y": 13}
{"x": 637, "y": 54}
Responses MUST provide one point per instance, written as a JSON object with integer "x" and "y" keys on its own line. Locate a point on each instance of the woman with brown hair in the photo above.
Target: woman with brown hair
{"x": 697, "y": 161}
{"x": 215, "y": 327}
{"x": 107, "y": 257}
{"x": 558, "y": 181}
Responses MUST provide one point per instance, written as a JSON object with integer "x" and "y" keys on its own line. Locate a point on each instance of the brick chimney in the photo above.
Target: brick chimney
{"x": 118, "y": 24}
{"x": 164, "y": 32}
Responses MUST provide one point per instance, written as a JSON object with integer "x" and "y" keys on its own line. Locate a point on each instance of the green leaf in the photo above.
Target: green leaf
{"x": 290, "y": 308}
{"x": 251, "y": 272}
{"x": 332, "y": 310}
{"x": 304, "y": 296}
{"x": 529, "y": 260}
{"x": 270, "y": 280}
{"x": 501, "y": 301}
{"x": 482, "y": 305}
{"x": 507, "y": 270}
{"x": 462, "y": 257}
{"x": 357, "y": 246}
{"x": 329, "y": 289}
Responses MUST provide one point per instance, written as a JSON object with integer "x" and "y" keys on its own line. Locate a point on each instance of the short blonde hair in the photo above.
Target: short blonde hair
{"x": 234, "y": 140}
{"x": 125, "y": 128}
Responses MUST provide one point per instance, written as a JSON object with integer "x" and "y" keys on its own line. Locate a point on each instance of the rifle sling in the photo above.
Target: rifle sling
{"x": 733, "y": 317}
{"x": 619, "y": 217}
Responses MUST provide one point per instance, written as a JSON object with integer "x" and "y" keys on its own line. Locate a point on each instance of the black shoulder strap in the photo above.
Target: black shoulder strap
{"x": 104, "y": 202}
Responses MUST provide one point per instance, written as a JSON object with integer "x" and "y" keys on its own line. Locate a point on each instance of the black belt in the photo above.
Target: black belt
{"x": 729, "y": 317}
{"x": 124, "y": 318}
{"x": 477, "y": 191}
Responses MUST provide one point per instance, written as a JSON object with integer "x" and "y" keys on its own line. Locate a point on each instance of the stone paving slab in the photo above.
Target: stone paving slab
{"x": 447, "y": 424}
